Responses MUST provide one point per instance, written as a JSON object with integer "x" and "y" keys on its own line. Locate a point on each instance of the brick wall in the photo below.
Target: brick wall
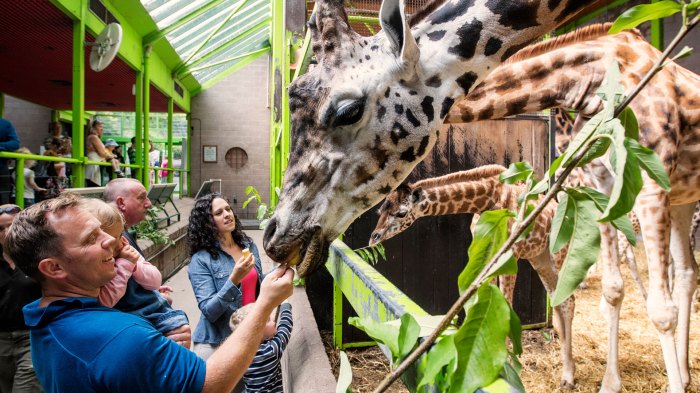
{"x": 234, "y": 113}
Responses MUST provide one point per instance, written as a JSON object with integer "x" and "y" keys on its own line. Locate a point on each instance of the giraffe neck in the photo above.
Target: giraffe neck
{"x": 475, "y": 196}
{"x": 461, "y": 42}
{"x": 563, "y": 73}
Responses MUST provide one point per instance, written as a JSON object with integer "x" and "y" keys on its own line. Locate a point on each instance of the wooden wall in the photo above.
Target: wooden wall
{"x": 425, "y": 260}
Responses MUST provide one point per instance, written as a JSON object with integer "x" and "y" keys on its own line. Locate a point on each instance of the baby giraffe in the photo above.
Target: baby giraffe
{"x": 476, "y": 191}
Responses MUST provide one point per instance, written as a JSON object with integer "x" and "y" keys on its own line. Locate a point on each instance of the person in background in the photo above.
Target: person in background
{"x": 131, "y": 155}
{"x": 95, "y": 151}
{"x": 130, "y": 198}
{"x": 223, "y": 276}
{"x": 16, "y": 290}
{"x": 265, "y": 373}
{"x": 55, "y": 133}
{"x": 80, "y": 346}
{"x": 153, "y": 161}
{"x": 30, "y": 185}
{"x": 114, "y": 150}
{"x": 9, "y": 141}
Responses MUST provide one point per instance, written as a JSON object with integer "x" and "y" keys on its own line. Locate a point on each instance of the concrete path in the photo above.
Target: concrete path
{"x": 305, "y": 365}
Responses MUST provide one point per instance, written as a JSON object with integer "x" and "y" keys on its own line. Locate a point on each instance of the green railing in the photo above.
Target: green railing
{"x": 20, "y": 158}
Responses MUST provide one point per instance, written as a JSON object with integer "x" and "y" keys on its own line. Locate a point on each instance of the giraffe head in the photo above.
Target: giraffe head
{"x": 397, "y": 213}
{"x": 362, "y": 119}
{"x": 371, "y": 109}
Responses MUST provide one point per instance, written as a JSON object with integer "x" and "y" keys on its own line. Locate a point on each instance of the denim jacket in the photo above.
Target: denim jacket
{"x": 216, "y": 295}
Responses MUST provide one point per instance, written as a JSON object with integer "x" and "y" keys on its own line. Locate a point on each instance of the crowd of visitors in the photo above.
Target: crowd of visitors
{"x": 95, "y": 312}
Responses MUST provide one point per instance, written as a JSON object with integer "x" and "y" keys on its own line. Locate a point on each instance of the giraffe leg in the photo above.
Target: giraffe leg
{"x": 631, "y": 261}
{"x": 653, "y": 209}
{"x": 506, "y": 283}
{"x": 610, "y": 304}
{"x": 685, "y": 279}
{"x": 564, "y": 315}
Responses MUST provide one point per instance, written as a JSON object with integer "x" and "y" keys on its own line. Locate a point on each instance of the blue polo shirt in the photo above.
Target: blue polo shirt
{"x": 80, "y": 346}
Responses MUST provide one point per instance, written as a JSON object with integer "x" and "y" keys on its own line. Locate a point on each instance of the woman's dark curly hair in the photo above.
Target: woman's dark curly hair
{"x": 201, "y": 231}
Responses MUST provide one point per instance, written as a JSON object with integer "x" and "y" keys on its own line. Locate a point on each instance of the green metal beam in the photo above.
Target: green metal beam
{"x": 145, "y": 173}
{"x": 156, "y": 35}
{"x": 138, "y": 124}
{"x": 213, "y": 33}
{"x": 657, "y": 32}
{"x": 218, "y": 63}
{"x": 170, "y": 141}
{"x": 363, "y": 19}
{"x": 222, "y": 75}
{"x": 78, "y": 104}
{"x": 189, "y": 157}
{"x": 183, "y": 69}
{"x": 279, "y": 108}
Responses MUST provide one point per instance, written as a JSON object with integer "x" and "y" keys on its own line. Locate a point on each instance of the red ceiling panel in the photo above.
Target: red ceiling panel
{"x": 36, "y": 42}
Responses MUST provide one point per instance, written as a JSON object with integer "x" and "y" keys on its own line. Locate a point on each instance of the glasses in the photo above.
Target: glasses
{"x": 10, "y": 210}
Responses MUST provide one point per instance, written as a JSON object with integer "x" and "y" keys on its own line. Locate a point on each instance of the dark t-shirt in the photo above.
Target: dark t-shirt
{"x": 16, "y": 291}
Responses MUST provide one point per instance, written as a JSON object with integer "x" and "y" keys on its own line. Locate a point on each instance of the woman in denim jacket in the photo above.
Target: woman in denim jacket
{"x": 223, "y": 274}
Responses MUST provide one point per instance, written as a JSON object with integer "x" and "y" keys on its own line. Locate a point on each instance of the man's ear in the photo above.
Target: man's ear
{"x": 119, "y": 202}
{"x": 51, "y": 268}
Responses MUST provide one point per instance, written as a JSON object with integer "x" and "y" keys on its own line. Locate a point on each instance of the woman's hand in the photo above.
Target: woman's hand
{"x": 242, "y": 268}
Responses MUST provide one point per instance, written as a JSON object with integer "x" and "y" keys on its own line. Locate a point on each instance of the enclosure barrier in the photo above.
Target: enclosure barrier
{"x": 21, "y": 157}
{"x": 373, "y": 296}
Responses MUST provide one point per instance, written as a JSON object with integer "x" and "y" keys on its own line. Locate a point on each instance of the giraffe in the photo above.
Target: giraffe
{"x": 566, "y": 72}
{"x": 371, "y": 109}
{"x": 476, "y": 191}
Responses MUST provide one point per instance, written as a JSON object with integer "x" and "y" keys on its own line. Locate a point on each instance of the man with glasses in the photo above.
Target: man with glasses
{"x": 16, "y": 291}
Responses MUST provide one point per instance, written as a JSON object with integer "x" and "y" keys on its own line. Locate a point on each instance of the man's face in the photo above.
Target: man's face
{"x": 135, "y": 204}
{"x": 87, "y": 250}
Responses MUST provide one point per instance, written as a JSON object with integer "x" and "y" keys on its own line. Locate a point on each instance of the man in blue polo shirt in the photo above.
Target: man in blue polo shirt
{"x": 80, "y": 346}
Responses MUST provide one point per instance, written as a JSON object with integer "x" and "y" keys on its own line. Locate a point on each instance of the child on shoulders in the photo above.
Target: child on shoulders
{"x": 265, "y": 373}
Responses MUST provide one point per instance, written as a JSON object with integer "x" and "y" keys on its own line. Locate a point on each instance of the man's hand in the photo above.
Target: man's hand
{"x": 181, "y": 335}
{"x": 276, "y": 287}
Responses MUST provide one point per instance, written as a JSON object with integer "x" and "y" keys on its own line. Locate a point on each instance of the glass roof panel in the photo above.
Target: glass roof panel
{"x": 225, "y": 29}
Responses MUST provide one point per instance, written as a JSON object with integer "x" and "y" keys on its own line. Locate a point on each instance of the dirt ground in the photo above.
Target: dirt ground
{"x": 641, "y": 362}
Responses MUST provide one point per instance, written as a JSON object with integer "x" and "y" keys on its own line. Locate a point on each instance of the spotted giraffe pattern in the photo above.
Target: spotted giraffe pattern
{"x": 372, "y": 107}
{"x": 476, "y": 191}
{"x": 566, "y": 72}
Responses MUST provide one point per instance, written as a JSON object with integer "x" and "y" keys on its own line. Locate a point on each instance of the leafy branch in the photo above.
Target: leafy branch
{"x": 264, "y": 211}
{"x": 371, "y": 254}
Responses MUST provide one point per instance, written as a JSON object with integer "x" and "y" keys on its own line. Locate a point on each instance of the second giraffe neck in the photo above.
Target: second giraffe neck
{"x": 468, "y": 197}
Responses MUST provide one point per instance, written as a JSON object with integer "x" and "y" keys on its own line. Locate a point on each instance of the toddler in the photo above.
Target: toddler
{"x": 265, "y": 373}
{"x": 130, "y": 264}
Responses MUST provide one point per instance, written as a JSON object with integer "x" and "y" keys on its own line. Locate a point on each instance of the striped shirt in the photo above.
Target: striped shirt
{"x": 265, "y": 373}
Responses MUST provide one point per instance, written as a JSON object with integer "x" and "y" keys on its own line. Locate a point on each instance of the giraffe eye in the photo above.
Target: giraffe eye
{"x": 348, "y": 112}
{"x": 401, "y": 213}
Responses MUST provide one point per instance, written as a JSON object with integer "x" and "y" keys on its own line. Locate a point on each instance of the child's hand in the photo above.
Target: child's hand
{"x": 129, "y": 253}
{"x": 165, "y": 291}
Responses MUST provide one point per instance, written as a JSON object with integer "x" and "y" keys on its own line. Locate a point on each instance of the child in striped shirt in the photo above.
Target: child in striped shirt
{"x": 265, "y": 373}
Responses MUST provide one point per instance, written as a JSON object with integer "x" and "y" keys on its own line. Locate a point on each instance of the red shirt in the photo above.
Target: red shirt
{"x": 248, "y": 287}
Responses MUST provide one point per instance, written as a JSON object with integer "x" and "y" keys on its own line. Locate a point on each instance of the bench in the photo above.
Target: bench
{"x": 160, "y": 195}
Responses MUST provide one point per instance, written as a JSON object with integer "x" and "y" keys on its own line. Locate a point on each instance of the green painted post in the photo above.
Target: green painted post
{"x": 337, "y": 316}
{"x": 657, "y": 32}
{"x": 145, "y": 174}
{"x": 170, "y": 139}
{"x": 19, "y": 182}
{"x": 138, "y": 124}
{"x": 78, "y": 104}
{"x": 189, "y": 155}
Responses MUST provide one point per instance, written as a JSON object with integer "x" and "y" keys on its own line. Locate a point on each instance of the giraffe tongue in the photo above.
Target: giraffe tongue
{"x": 308, "y": 264}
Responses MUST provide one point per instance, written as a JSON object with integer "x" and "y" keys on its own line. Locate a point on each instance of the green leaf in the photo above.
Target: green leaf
{"x": 630, "y": 123}
{"x": 249, "y": 190}
{"x": 500, "y": 385}
{"x": 583, "y": 249}
{"x": 518, "y": 171}
{"x": 562, "y": 224}
{"x": 580, "y": 140}
{"x": 516, "y": 331}
{"x": 380, "y": 248}
{"x": 628, "y": 180}
{"x": 481, "y": 341}
{"x": 512, "y": 375}
{"x": 439, "y": 355}
{"x": 384, "y": 333}
{"x": 344, "y": 374}
{"x": 634, "y": 16}
{"x": 408, "y": 334}
{"x": 489, "y": 235}
{"x": 245, "y": 204}
{"x": 539, "y": 188}
{"x": 506, "y": 264}
{"x": 262, "y": 210}
{"x": 622, "y": 223}
{"x": 375, "y": 255}
{"x": 651, "y": 163}
{"x": 598, "y": 148}
{"x": 683, "y": 53}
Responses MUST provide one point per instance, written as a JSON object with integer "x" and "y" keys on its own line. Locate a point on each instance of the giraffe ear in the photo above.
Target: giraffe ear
{"x": 393, "y": 20}
{"x": 417, "y": 194}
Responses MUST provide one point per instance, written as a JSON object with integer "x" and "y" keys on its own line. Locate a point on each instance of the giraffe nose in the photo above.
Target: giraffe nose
{"x": 270, "y": 230}
{"x": 374, "y": 239}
